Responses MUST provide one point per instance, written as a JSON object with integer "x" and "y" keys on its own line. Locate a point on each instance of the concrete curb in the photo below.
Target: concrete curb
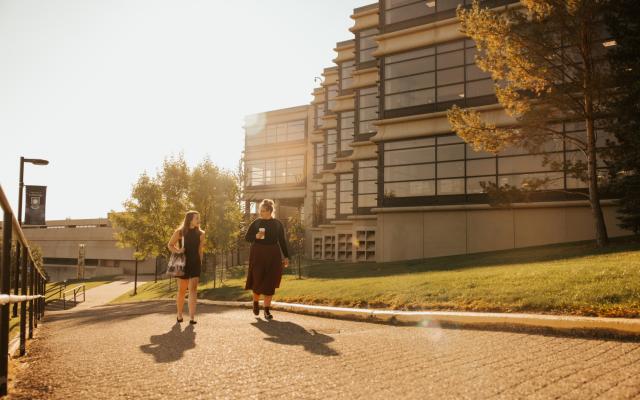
{"x": 615, "y": 326}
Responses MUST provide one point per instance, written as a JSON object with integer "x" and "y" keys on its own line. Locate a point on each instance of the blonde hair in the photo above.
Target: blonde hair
{"x": 267, "y": 204}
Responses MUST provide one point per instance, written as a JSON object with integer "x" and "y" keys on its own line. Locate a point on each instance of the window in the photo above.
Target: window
{"x": 367, "y": 103}
{"x": 346, "y": 131}
{"x": 435, "y": 77}
{"x": 367, "y": 184}
{"x": 446, "y": 166}
{"x": 319, "y": 113}
{"x": 277, "y": 171}
{"x": 331, "y": 201}
{"x": 402, "y": 14}
{"x": 332, "y": 93}
{"x": 318, "y": 208}
{"x": 318, "y": 163}
{"x": 277, "y": 133}
{"x": 366, "y": 45}
{"x": 346, "y": 194}
{"x": 346, "y": 75}
{"x": 332, "y": 146}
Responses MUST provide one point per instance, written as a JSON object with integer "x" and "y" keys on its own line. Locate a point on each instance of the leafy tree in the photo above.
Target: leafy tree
{"x": 549, "y": 64}
{"x": 621, "y": 18}
{"x": 137, "y": 226}
{"x": 174, "y": 178}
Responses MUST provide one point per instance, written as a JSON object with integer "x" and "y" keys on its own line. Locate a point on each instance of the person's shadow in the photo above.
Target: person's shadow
{"x": 170, "y": 346}
{"x": 290, "y": 334}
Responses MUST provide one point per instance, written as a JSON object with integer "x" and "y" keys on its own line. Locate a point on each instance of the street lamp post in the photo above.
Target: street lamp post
{"x": 16, "y": 281}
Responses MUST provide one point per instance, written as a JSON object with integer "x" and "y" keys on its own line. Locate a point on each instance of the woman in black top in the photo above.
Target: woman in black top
{"x": 193, "y": 249}
{"x": 267, "y": 237}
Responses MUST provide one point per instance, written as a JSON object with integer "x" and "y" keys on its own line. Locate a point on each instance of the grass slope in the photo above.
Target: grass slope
{"x": 574, "y": 278}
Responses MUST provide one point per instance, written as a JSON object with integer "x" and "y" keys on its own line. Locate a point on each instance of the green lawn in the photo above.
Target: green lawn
{"x": 574, "y": 278}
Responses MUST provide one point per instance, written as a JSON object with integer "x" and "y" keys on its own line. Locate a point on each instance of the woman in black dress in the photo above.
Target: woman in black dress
{"x": 267, "y": 237}
{"x": 193, "y": 249}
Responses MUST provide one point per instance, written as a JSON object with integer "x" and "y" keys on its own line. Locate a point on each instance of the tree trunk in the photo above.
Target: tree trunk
{"x": 135, "y": 280}
{"x": 602, "y": 238}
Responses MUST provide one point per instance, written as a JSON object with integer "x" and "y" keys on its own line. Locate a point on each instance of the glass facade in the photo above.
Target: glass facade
{"x": 317, "y": 116}
{"x": 433, "y": 79}
{"x": 346, "y": 131}
{"x": 444, "y": 165}
{"x": 367, "y": 185}
{"x": 367, "y": 107}
{"x": 276, "y": 171}
{"x": 346, "y": 194}
{"x": 331, "y": 147}
{"x": 330, "y": 196}
{"x": 277, "y": 133}
{"x": 366, "y": 45}
{"x": 346, "y": 75}
{"x": 318, "y": 158}
{"x": 332, "y": 93}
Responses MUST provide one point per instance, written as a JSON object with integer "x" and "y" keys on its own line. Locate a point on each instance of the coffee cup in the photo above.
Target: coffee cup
{"x": 261, "y": 231}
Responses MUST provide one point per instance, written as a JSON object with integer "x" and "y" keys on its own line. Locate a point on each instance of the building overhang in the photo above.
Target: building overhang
{"x": 433, "y": 124}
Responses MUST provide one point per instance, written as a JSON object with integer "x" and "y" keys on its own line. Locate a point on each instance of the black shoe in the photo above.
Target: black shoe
{"x": 193, "y": 322}
{"x": 256, "y": 308}
{"x": 179, "y": 319}
{"x": 267, "y": 314}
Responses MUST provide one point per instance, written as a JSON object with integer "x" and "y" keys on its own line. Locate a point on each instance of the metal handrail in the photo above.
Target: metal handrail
{"x": 75, "y": 291}
{"x": 30, "y": 279}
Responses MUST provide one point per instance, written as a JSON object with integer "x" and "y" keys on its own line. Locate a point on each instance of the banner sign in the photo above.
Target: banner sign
{"x": 34, "y": 213}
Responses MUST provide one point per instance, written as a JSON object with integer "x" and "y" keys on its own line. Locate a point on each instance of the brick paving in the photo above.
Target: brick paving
{"x": 136, "y": 351}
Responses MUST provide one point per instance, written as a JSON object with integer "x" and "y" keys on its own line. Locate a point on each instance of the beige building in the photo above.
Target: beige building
{"x": 381, "y": 177}
{"x": 61, "y": 241}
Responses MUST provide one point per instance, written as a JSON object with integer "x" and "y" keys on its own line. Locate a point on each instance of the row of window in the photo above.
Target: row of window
{"x": 437, "y": 75}
{"x": 277, "y": 171}
{"x": 402, "y": 10}
{"x": 276, "y": 133}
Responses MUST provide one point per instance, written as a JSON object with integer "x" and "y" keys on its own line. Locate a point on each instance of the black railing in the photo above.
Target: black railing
{"x": 29, "y": 277}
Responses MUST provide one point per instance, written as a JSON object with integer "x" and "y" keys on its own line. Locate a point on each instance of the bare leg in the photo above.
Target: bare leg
{"x": 182, "y": 289}
{"x": 267, "y": 301}
{"x": 193, "y": 296}
{"x": 256, "y": 296}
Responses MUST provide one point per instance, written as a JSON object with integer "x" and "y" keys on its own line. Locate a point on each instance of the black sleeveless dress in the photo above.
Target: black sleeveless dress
{"x": 192, "y": 254}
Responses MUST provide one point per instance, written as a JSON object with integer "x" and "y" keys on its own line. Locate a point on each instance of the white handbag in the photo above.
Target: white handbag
{"x": 177, "y": 262}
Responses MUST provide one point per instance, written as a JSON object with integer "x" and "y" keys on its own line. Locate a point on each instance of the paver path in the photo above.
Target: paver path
{"x": 136, "y": 351}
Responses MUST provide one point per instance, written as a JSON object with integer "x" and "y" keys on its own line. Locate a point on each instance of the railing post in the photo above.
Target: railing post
{"x": 44, "y": 294}
{"x": 23, "y": 306}
{"x": 5, "y": 265}
{"x": 16, "y": 280}
{"x": 32, "y": 271}
{"x": 36, "y": 276}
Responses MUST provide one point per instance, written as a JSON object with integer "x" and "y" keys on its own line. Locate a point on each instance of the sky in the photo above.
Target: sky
{"x": 107, "y": 89}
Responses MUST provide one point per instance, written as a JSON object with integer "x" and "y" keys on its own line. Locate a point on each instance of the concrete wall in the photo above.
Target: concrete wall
{"x": 434, "y": 232}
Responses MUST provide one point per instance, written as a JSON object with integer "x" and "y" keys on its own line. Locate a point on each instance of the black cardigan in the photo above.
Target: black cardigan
{"x": 274, "y": 233}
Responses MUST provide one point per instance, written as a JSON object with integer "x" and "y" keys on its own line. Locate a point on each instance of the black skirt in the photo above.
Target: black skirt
{"x": 265, "y": 269}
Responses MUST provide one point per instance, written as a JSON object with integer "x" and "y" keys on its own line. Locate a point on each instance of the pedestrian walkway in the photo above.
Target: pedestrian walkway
{"x": 104, "y": 294}
{"x": 138, "y": 351}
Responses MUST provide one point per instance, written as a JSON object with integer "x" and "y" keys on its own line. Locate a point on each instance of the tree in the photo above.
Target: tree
{"x": 621, "y": 18}
{"x": 137, "y": 226}
{"x": 548, "y": 63}
{"x": 297, "y": 240}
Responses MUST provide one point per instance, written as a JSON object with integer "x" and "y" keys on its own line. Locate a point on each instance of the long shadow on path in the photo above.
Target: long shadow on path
{"x": 290, "y": 334}
{"x": 171, "y": 346}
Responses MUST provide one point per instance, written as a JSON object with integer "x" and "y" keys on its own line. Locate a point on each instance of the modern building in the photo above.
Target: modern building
{"x": 61, "y": 243}
{"x": 372, "y": 163}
